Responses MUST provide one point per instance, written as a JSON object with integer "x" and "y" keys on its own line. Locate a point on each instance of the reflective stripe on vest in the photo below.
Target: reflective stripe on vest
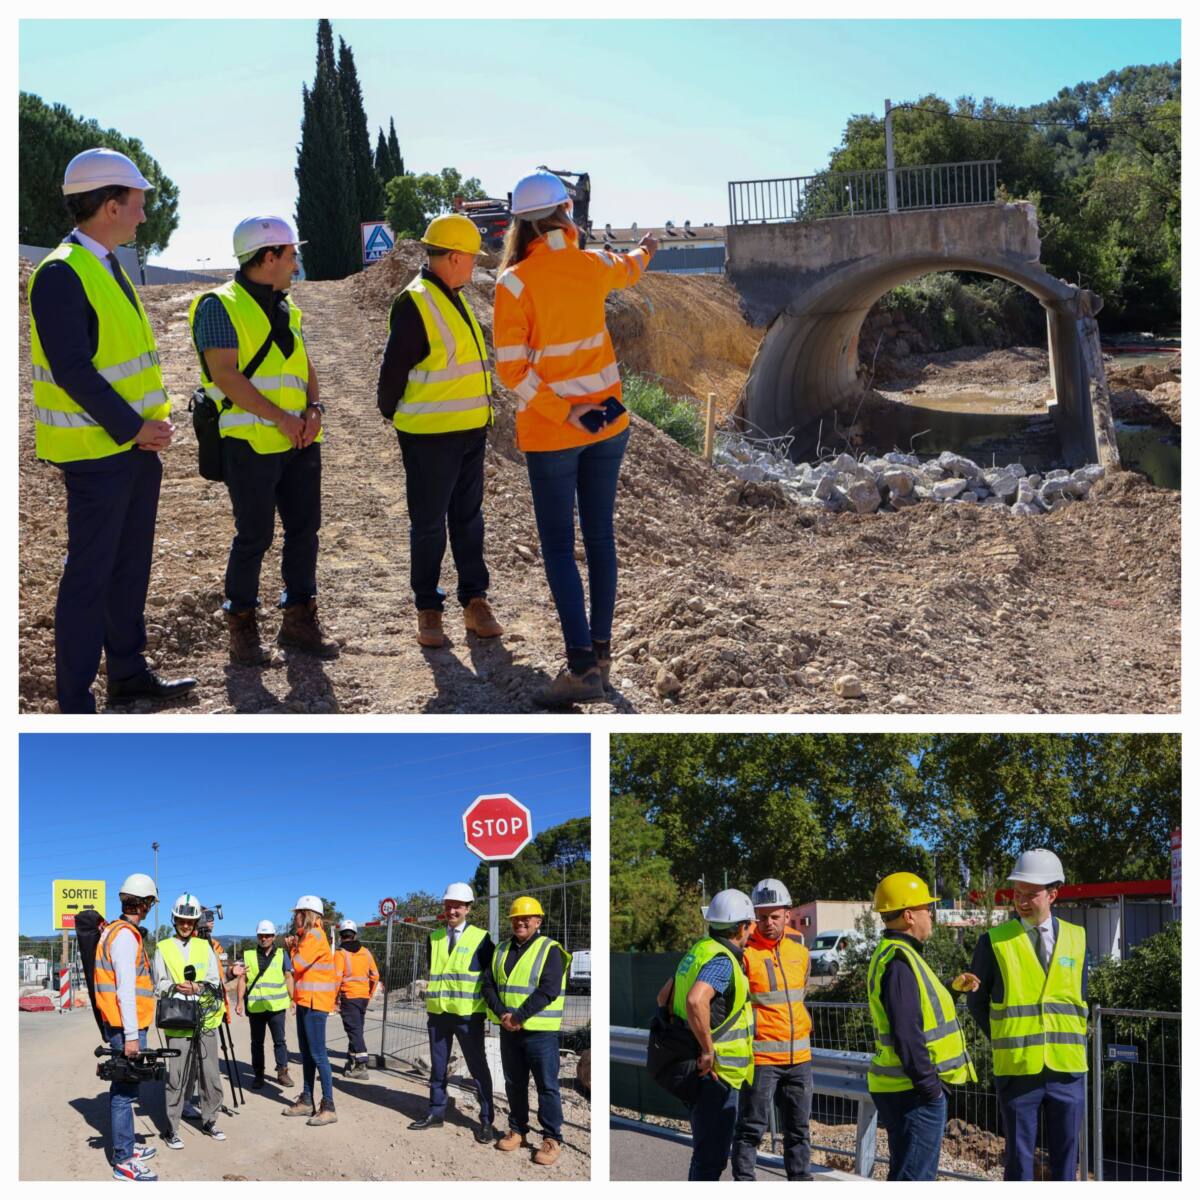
{"x": 733, "y": 1038}
{"x": 526, "y": 975}
{"x": 281, "y": 379}
{"x": 271, "y": 994}
{"x": 126, "y": 357}
{"x": 943, "y": 1036}
{"x": 451, "y": 387}
{"x": 314, "y": 973}
{"x": 104, "y": 978}
{"x": 777, "y": 973}
{"x": 198, "y": 951}
{"x": 1042, "y": 1023}
{"x": 357, "y": 970}
{"x": 453, "y": 986}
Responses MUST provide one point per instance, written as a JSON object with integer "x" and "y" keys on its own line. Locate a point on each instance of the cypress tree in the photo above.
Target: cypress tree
{"x": 367, "y": 187}
{"x": 383, "y": 160}
{"x": 326, "y": 204}
{"x": 394, "y": 150}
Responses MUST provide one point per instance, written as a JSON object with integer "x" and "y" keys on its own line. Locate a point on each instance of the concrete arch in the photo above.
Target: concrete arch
{"x": 814, "y": 284}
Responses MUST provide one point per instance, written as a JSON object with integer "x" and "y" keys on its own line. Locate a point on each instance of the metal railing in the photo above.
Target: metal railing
{"x": 863, "y": 193}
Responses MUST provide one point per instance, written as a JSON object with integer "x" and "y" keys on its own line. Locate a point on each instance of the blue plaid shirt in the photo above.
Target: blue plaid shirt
{"x": 213, "y": 330}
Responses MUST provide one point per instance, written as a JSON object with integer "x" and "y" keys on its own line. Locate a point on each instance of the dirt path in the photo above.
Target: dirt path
{"x": 749, "y": 605}
{"x": 64, "y": 1123}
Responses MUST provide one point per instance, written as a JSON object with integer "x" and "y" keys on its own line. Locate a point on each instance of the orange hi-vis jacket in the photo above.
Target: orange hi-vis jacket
{"x": 778, "y": 974}
{"x": 314, "y": 972}
{"x": 105, "y": 978}
{"x": 552, "y": 345}
{"x": 357, "y": 974}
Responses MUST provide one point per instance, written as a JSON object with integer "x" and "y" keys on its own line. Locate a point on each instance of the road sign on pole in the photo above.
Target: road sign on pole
{"x": 71, "y": 896}
{"x": 387, "y": 906}
{"x": 496, "y": 828}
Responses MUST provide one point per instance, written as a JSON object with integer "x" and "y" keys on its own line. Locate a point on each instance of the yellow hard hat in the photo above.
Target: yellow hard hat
{"x": 453, "y": 231}
{"x": 525, "y": 906}
{"x": 901, "y": 889}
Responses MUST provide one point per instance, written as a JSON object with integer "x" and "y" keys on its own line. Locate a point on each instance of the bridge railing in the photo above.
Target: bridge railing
{"x": 860, "y": 193}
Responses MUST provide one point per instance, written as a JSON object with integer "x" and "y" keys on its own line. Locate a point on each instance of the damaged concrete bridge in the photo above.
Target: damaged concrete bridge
{"x": 811, "y": 283}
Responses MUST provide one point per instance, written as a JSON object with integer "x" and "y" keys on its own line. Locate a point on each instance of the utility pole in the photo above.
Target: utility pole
{"x": 154, "y": 847}
{"x": 891, "y": 156}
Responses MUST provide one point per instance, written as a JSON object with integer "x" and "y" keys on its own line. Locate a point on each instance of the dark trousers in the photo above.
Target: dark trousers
{"x": 714, "y": 1116}
{"x": 790, "y": 1088}
{"x": 259, "y": 485}
{"x": 914, "y": 1133}
{"x": 260, "y": 1022}
{"x": 353, "y": 1012}
{"x": 557, "y": 478}
{"x": 443, "y": 480}
{"x": 443, "y": 1029}
{"x": 102, "y": 594}
{"x": 1059, "y": 1100}
{"x": 535, "y": 1053}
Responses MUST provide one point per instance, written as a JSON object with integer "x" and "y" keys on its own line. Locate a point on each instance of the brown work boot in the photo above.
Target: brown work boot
{"x": 604, "y": 660}
{"x": 429, "y": 628}
{"x": 512, "y": 1140}
{"x": 302, "y": 631}
{"x": 283, "y": 1078}
{"x": 547, "y": 1156}
{"x": 326, "y": 1115}
{"x": 245, "y": 646}
{"x": 480, "y": 620}
{"x": 303, "y": 1107}
{"x": 569, "y": 688}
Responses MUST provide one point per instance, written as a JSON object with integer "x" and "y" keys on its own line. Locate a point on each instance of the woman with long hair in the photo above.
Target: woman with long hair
{"x": 316, "y": 989}
{"x": 553, "y": 350}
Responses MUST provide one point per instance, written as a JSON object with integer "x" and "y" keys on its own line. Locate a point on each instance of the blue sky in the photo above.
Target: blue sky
{"x": 663, "y": 114}
{"x": 252, "y": 821}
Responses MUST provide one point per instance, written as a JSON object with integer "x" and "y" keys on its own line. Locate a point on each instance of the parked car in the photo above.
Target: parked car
{"x": 828, "y": 950}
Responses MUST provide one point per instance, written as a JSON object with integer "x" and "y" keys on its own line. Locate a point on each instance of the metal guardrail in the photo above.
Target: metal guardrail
{"x": 863, "y": 193}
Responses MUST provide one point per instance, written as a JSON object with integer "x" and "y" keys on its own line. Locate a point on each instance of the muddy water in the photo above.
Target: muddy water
{"x": 1156, "y": 454}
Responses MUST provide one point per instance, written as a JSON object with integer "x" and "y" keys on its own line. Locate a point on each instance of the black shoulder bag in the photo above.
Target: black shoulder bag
{"x": 206, "y": 419}
{"x": 671, "y": 1053}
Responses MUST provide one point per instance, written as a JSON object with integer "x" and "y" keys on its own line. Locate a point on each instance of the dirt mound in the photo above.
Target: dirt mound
{"x": 730, "y": 599}
{"x": 1143, "y": 376}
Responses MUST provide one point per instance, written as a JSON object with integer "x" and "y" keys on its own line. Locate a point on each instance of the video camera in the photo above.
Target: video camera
{"x": 150, "y": 1066}
{"x": 208, "y": 917}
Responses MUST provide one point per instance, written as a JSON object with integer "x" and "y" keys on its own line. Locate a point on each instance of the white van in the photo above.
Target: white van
{"x": 829, "y": 947}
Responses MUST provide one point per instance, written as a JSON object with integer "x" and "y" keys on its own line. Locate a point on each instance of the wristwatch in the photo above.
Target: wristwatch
{"x": 319, "y": 407}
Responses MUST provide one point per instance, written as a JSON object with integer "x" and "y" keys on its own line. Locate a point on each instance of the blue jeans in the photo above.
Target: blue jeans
{"x": 120, "y": 1103}
{"x": 1060, "y": 1100}
{"x": 557, "y": 478}
{"x": 310, "y": 1027}
{"x": 914, "y": 1133}
{"x": 714, "y": 1117}
{"x": 522, "y": 1054}
{"x": 443, "y": 1029}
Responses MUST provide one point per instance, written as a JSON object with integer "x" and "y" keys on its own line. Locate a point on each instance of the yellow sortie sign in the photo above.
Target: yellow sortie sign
{"x": 72, "y": 896}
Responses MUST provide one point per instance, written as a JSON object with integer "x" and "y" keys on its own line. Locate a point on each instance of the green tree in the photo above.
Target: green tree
{"x": 48, "y": 137}
{"x": 404, "y": 209}
{"x": 414, "y": 200}
{"x": 367, "y": 186}
{"x": 559, "y": 854}
{"x": 395, "y": 158}
{"x": 326, "y": 202}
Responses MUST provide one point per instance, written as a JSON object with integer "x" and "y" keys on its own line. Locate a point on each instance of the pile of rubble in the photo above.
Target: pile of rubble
{"x": 895, "y": 481}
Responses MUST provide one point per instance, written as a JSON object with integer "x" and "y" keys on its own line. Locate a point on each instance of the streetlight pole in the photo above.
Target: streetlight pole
{"x": 890, "y": 151}
{"x": 154, "y": 847}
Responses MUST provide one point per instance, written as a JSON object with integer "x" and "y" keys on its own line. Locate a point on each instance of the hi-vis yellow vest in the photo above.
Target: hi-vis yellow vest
{"x": 126, "y": 356}
{"x": 451, "y": 387}
{"x": 198, "y": 951}
{"x": 271, "y": 995}
{"x": 516, "y": 988}
{"x": 453, "y": 986}
{"x": 733, "y": 1039}
{"x": 943, "y": 1036}
{"x": 282, "y": 380}
{"x": 1043, "y": 1020}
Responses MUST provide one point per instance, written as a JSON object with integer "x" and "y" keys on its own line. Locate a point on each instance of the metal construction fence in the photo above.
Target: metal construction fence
{"x": 1131, "y": 1130}
{"x": 396, "y": 1021}
{"x": 861, "y": 193}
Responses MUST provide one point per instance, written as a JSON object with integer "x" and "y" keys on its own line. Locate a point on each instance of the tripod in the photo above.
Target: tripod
{"x": 204, "y": 1004}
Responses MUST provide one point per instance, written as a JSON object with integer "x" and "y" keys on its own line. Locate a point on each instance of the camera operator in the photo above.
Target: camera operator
{"x": 171, "y": 961}
{"x": 125, "y": 998}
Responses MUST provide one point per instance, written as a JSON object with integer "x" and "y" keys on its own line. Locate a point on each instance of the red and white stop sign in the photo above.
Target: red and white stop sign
{"x": 497, "y": 827}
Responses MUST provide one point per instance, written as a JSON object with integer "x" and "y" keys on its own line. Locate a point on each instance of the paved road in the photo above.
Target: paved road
{"x": 647, "y": 1156}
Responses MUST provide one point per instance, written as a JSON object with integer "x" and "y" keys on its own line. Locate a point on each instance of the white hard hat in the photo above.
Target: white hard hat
{"x": 770, "y": 893}
{"x": 538, "y": 195}
{"x": 729, "y": 907}
{"x": 254, "y": 233}
{"x": 187, "y": 907}
{"x": 1037, "y": 866}
{"x": 139, "y": 885}
{"x": 459, "y": 891}
{"x": 347, "y": 926}
{"x": 266, "y": 927}
{"x": 99, "y": 168}
{"x": 309, "y": 904}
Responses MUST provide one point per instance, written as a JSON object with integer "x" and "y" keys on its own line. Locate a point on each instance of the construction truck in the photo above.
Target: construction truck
{"x": 492, "y": 216}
